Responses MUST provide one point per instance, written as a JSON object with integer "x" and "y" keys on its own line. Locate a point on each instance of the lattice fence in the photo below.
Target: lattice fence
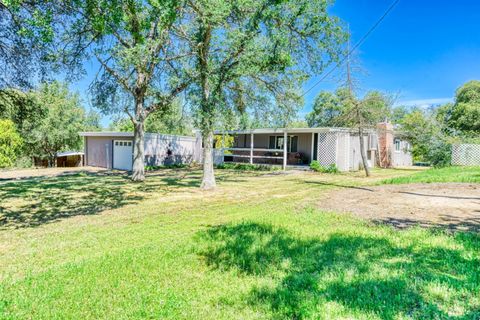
{"x": 466, "y": 154}
{"x": 333, "y": 148}
{"x": 327, "y": 147}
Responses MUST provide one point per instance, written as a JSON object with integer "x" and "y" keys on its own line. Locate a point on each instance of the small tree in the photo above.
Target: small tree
{"x": 10, "y": 143}
{"x": 64, "y": 119}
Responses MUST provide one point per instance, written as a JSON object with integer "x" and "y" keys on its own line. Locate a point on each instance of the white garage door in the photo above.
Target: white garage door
{"x": 122, "y": 154}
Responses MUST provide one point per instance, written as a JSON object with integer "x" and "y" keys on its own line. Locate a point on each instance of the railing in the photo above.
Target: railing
{"x": 253, "y": 150}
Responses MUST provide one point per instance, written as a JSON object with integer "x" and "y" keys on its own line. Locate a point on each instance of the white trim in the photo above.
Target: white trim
{"x": 106, "y": 134}
{"x": 130, "y": 135}
{"x": 290, "y": 130}
{"x": 395, "y": 145}
{"x": 69, "y": 153}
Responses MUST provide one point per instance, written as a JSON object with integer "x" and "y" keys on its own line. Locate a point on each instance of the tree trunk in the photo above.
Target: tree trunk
{"x": 362, "y": 151}
{"x": 208, "y": 179}
{"x": 138, "y": 170}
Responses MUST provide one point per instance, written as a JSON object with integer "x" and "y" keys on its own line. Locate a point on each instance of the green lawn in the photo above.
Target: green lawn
{"x": 98, "y": 247}
{"x": 449, "y": 174}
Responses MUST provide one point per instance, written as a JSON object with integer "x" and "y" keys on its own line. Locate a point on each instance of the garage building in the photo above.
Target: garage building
{"x": 114, "y": 150}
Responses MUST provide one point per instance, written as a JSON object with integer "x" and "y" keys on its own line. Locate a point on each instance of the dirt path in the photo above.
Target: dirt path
{"x": 6, "y": 175}
{"x": 452, "y": 205}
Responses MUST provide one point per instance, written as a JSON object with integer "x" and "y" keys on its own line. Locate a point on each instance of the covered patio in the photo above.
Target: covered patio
{"x": 280, "y": 146}
{"x": 297, "y": 147}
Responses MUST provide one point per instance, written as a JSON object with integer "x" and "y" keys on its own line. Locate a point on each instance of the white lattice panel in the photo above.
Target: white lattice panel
{"x": 466, "y": 154}
{"x": 327, "y": 147}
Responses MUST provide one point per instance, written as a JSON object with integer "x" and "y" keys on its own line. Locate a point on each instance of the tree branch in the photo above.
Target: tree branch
{"x": 120, "y": 79}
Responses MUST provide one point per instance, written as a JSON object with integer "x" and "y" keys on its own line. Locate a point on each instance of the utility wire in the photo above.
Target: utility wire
{"x": 358, "y": 44}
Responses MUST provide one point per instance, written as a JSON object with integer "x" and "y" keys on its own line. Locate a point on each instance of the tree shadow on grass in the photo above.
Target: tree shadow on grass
{"x": 34, "y": 202}
{"x": 366, "y": 275}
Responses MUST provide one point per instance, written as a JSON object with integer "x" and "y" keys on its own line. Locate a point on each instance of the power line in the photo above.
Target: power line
{"x": 358, "y": 44}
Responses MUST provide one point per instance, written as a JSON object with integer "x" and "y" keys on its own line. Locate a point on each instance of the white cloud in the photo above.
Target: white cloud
{"x": 424, "y": 103}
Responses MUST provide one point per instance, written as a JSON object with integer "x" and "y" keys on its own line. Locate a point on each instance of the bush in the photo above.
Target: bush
{"x": 440, "y": 154}
{"x": 245, "y": 167}
{"x": 168, "y": 166}
{"x": 24, "y": 162}
{"x": 316, "y": 166}
{"x": 10, "y": 143}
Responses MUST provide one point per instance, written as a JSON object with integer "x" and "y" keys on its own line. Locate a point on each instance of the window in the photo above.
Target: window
{"x": 397, "y": 145}
{"x": 276, "y": 142}
{"x": 119, "y": 143}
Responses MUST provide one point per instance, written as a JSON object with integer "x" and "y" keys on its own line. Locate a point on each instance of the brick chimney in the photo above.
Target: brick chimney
{"x": 385, "y": 144}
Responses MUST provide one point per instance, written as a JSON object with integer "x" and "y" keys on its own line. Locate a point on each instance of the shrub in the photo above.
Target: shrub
{"x": 245, "y": 167}
{"x": 10, "y": 143}
{"x": 440, "y": 154}
{"x": 24, "y": 162}
{"x": 167, "y": 166}
{"x": 316, "y": 166}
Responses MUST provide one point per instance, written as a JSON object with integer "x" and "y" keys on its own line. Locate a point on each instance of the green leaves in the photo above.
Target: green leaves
{"x": 10, "y": 143}
{"x": 464, "y": 115}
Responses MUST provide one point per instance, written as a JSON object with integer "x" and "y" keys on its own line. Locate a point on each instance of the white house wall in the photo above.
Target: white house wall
{"x": 403, "y": 157}
{"x": 183, "y": 149}
{"x": 343, "y": 151}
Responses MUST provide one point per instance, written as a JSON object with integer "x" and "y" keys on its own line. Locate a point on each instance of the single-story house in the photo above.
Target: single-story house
{"x": 339, "y": 146}
{"x": 114, "y": 150}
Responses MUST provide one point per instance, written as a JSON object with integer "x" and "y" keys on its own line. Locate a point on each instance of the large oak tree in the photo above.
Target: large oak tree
{"x": 252, "y": 53}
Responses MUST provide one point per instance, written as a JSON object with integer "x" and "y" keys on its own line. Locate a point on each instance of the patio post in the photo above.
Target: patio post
{"x": 285, "y": 155}
{"x": 311, "y": 153}
{"x": 251, "y": 148}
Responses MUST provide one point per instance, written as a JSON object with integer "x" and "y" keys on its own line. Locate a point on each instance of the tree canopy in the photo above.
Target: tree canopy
{"x": 27, "y": 31}
{"x": 464, "y": 114}
{"x": 342, "y": 109}
{"x": 64, "y": 119}
{"x": 48, "y": 119}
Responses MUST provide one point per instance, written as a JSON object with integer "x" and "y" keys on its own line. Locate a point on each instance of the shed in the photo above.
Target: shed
{"x": 70, "y": 159}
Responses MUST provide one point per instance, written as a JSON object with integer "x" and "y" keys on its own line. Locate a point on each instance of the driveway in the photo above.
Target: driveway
{"x": 6, "y": 175}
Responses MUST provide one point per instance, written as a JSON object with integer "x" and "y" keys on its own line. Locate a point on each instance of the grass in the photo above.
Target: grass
{"x": 448, "y": 174}
{"x": 256, "y": 248}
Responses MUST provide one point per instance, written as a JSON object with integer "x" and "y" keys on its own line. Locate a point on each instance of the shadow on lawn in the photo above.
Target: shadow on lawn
{"x": 30, "y": 203}
{"x": 367, "y": 275}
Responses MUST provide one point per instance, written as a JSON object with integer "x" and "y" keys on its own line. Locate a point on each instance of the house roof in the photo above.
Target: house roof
{"x": 288, "y": 130}
{"x": 129, "y": 134}
{"x": 106, "y": 134}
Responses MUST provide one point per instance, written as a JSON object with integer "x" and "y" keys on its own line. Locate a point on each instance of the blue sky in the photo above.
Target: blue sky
{"x": 422, "y": 52}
